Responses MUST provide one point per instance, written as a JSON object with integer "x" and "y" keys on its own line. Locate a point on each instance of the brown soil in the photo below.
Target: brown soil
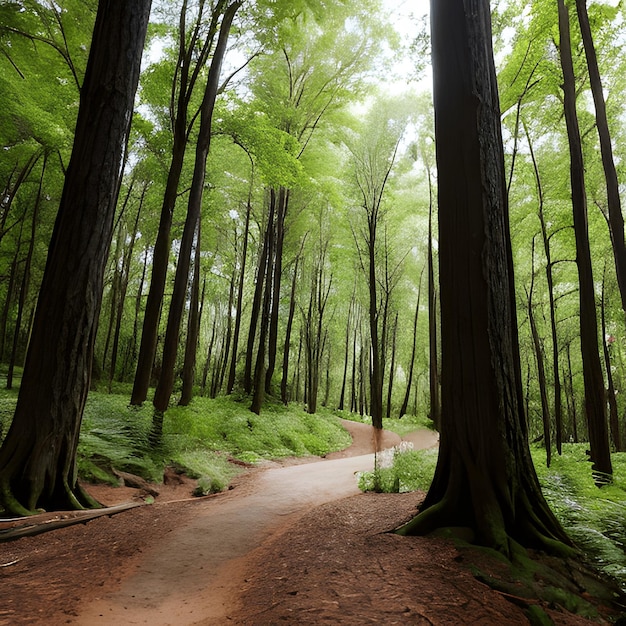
{"x": 312, "y": 563}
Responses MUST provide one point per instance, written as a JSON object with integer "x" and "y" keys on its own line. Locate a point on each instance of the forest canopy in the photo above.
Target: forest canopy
{"x": 276, "y": 230}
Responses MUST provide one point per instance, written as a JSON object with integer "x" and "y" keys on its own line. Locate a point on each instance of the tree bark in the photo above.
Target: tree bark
{"x": 409, "y": 382}
{"x": 272, "y": 346}
{"x": 38, "y": 456}
{"x": 25, "y": 279}
{"x": 127, "y": 258}
{"x": 541, "y": 370}
{"x": 595, "y": 405}
{"x": 193, "y": 326}
{"x": 485, "y": 479}
{"x": 611, "y": 391}
{"x": 186, "y": 78}
{"x": 284, "y": 387}
{"x": 346, "y": 356}
{"x": 257, "y": 300}
{"x": 616, "y": 219}
{"x": 244, "y": 253}
{"x": 558, "y": 410}
{"x": 392, "y": 366}
{"x": 165, "y": 385}
{"x": 433, "y": 351}
{"x": 258, "y": 381}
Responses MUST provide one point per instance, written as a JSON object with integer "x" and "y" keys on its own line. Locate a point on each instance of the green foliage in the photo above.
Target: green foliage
{"x": 198, "y": 439}
{"x": 592, "y": 516}
{"x": 400, "y": 469}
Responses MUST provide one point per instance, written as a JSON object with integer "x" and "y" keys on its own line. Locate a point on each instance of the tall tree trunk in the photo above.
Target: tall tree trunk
{"x": 38, "y": 455}
{"x": 123, "y": 287}
{"x": 595, "y": 406}
{"x": 193, "y": 326}
{"x": 558, "y": 418}
{"x": 186, "y": 79}
{"x": 272, "y": 346}
{"x": 165, "y": 384}
{"x": 611, "y": 392}
{"x": 392, "y": 366}
{"x": 376, "y": 373}
{"x": 257, "y": 300}
{"x": 346, "y": 356}
{"x": 258, "y": 382}
{"x": 132, "y": 349}
{"x": 485, "y": 479}
{"x": 409, "y": 382}
{"x": 353, "y": 378}
{"x": 238, "y": 311}
{"x": 570, "y": 394}
{"x": 25, "y": 278}
{"x": 229, "y": 331}
{"x": 433, "y": 358}
{"x": 284, "y": 387}
{"x": 4, "y": 318}
{"x": 541, "y": 370}
{"x": 616, "y": 219}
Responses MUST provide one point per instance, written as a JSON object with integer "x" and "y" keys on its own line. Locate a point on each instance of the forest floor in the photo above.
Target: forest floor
{"x": 291, "y": 542}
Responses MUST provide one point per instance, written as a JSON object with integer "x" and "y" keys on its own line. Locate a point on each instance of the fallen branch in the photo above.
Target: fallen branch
{"x": 35, "y": 525}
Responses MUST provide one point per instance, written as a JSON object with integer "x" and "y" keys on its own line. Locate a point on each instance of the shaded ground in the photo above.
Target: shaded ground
{"x": 275, "y": 559}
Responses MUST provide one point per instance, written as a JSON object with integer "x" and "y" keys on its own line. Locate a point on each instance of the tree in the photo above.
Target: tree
{"x": 595, "y": 402}
{"x": 484, "y": 479}
{"x": 165, "y": 384}
{"x": 38, "y": 456}
{"x": 192, "y": 56}
{"x": 614, "y": 205}
{"x": 374, "y": 150}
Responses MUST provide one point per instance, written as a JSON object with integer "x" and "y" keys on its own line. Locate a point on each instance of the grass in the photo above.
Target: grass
{"x": 198, "y": 439}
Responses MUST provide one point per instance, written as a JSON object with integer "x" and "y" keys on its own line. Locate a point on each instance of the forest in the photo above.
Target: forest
{"x": 271, "y": 227}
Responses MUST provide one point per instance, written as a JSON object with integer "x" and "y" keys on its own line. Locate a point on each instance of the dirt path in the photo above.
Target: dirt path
{"x": 195, "y": 574}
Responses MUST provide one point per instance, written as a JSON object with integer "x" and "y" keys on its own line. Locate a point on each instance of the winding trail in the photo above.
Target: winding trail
{"x": 194, "y": 576}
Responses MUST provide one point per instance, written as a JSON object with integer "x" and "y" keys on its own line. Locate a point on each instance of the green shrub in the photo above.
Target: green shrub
{"x": 400, "y": 469}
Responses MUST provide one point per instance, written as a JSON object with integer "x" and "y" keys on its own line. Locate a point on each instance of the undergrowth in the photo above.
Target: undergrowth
{"x": 593, "y": 517}
{"x": 198, "y": 439}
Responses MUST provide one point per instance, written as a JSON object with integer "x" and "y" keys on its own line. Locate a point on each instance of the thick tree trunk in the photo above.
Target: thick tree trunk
{"x": 485, "y": 479}
{"x": 165, "y": 385}
{"x": 38, "y": 456}
{"x": 595, "y": 405}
